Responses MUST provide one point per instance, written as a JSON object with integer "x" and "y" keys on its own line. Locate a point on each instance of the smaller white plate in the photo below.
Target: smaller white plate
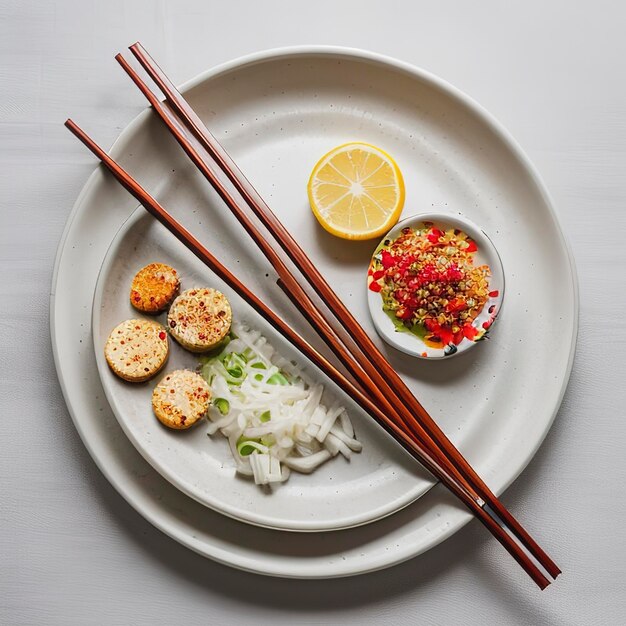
{"x": 380, "y": 480}
{"x": 486, "y": 254}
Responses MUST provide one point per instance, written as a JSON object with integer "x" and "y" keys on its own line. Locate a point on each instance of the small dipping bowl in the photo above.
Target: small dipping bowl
{"x": 486, "y": 254}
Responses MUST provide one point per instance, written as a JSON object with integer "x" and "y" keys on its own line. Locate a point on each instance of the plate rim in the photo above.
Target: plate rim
{"x": 417, "y": 73}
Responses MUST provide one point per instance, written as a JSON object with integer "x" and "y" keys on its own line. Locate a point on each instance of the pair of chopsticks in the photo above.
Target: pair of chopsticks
{"x": 379, "y": 390}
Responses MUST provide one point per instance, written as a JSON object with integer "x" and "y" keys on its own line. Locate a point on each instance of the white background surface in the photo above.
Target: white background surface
{"x": 72, "y": 551}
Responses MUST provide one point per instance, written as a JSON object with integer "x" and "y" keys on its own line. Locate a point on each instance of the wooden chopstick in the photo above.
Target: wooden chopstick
{"x": 334, "y": 336}
{"x": 304, "y": 304}
{"x": 420, "y": 454}
{"x": 335, "y": 305}
{"x": 494, "y": 527}
{"x": 302, "y": 301}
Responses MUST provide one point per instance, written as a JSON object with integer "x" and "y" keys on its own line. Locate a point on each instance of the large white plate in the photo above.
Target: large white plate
{"x": 276, "y": 112}
{"x": 380, "y": 480}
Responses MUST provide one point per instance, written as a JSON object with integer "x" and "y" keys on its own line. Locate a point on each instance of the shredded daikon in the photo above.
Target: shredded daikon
{"x": 270, "y": 412}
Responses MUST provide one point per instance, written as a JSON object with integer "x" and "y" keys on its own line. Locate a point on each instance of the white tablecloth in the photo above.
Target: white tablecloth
{"x": 72, "y": 551}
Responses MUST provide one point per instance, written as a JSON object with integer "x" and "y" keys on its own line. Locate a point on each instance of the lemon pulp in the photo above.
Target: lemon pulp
{"x": 356, "y": 191}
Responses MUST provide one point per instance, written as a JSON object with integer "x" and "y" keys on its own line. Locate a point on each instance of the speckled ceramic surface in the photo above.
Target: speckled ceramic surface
{"x": 277, "y": 112}
{"x": 486, "y": 254}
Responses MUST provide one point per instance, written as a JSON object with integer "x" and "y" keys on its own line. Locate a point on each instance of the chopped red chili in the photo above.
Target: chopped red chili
{"x": 428, "y": 281}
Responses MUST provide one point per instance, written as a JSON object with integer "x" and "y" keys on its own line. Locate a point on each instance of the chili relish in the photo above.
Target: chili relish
{"x": 430, "y": 285}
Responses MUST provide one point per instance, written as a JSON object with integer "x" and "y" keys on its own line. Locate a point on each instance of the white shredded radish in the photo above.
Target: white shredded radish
{"x": 312, "y": 430}
{"x": 328, "y": 423}
{"x": 353, "y": 444}
{"x": 346, "y": 425}
{"x": 220, "y": 422}
{"x": 266, "y": 469}
{"x": 335, "y": 445}
{"x": 271, "y": 412}
{"x": 306, "y": 464}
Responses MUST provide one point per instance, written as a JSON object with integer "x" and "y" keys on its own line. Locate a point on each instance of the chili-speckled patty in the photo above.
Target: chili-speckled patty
{"x": 180, "y": 399}
{"x": 137, "y": 349}
{"x": 154, "y": 287}
{"x": 199, "y": 319}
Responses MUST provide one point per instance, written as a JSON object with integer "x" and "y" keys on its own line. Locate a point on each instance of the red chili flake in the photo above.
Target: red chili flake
{"x": 431, "y": 325}
{"x": 456, "y": 305}
{"x": 487, "y": 324}
{"x": 445, "y": 335}
{"x": 472, "y": 247}
{"x": 162, "y": 336}
{"x": 172, "y": 323}
{"x": 404, "y": 313}
{"x": 494, "y": 294}
{"x": 374, "y": 286}
{"x": 433, "y": 235}
{"x": 378, "y": 275}
{"x": 453, "y": 273}
{"x": 425, "y": 354}
{"x": 386, "y": 259}
{"x": 428, "y": 274}
{"x": 137, "y": 297}
{"x": 469, "y": 331}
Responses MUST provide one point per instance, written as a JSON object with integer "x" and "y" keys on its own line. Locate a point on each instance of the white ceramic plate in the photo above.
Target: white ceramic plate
{"x": 374, "y": 483}
{"x": 451, "y": 153}
{"x": 485, "y": 255}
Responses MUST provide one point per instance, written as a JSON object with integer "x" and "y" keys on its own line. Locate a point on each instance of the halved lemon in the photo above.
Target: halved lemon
{"x": 356, "y": 191}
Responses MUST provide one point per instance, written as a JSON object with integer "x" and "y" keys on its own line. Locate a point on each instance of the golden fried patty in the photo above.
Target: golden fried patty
{"x": 154, "y": 287}
{"x": 180, "y": 399}
{"x": 137, "y": 349}
{"x": 199, "y": 319}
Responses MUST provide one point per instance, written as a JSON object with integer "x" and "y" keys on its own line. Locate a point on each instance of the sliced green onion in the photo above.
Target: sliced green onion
{"x": 222, "y": 405}
{"x": 206, "y": 373}
{"x": 246, "y": 446}
{"x": 259, "y": 365}
{"x": 268, "y": 440}
{"x": 231, "y": 359}
{"x": 277, "y": 379}
{"x": 235, "y": 372}
{"x": 265, "y": 416}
